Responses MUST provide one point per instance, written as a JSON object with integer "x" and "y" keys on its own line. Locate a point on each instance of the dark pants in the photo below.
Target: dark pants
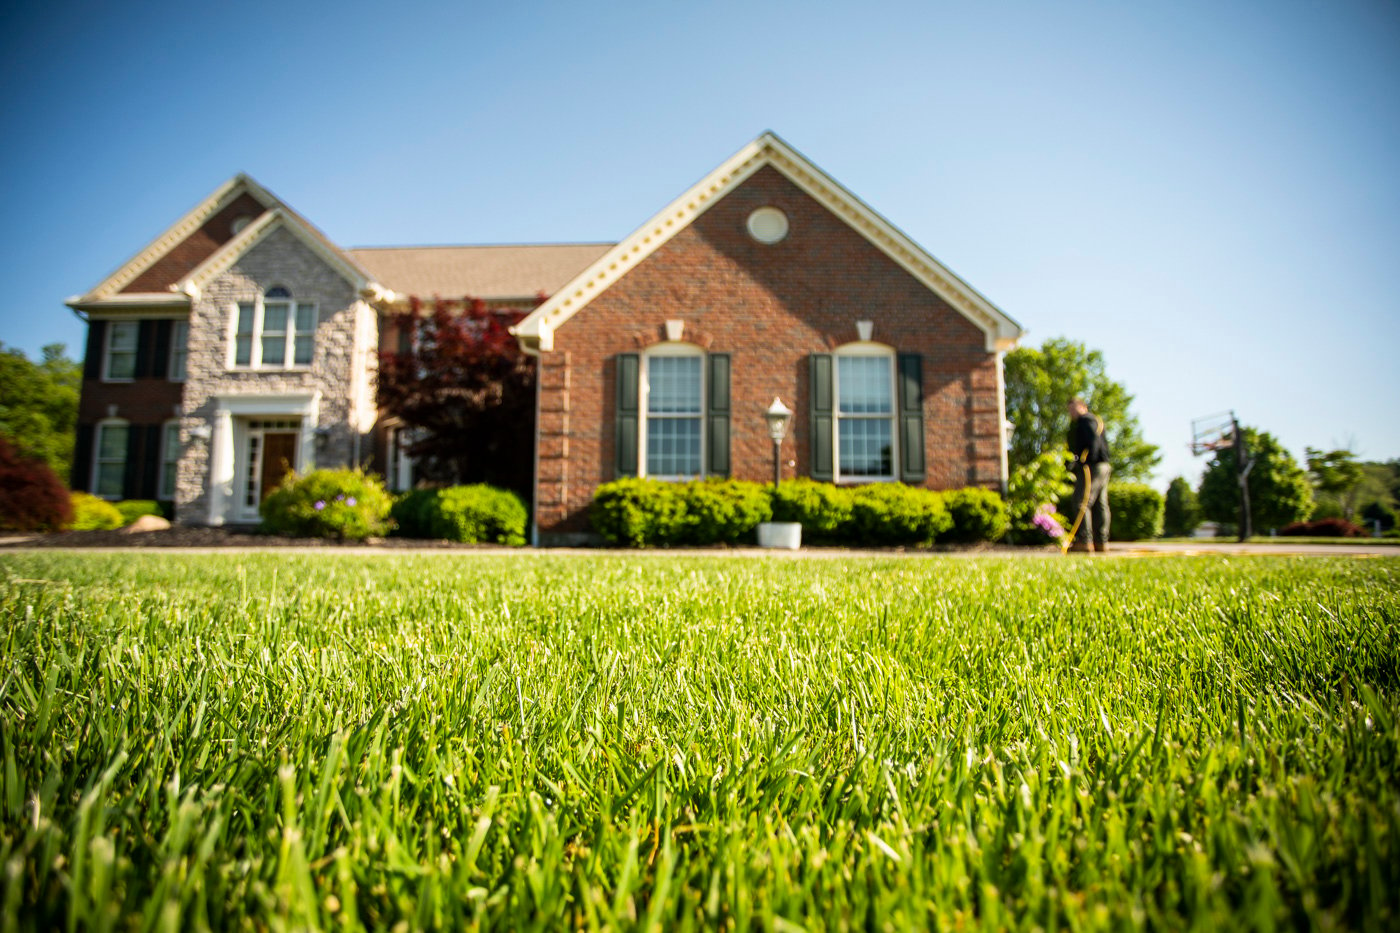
{"x": 1094, "y": 527}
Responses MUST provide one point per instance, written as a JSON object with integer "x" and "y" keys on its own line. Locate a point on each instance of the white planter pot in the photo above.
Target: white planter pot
{"x": 780, "y": 534}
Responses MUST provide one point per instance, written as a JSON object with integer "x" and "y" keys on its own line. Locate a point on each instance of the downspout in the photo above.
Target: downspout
{"x": 532, "y": 348}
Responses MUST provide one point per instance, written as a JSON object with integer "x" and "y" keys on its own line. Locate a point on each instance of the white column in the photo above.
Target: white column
{"x": 221, "y": 467}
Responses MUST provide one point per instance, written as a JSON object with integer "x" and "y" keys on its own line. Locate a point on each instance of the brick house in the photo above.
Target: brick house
{"x": 242, "y": 343}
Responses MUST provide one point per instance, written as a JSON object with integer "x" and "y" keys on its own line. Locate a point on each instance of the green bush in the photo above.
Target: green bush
{"x": 132, "y": 509}
{"x": 345, "y": 504}
{"x": 977, "y": 514}
{"x": 93, "y": 514}
{"x": 1136, "y": 510}
{"x": 723, "y": 511}
{"x": 896, "y": 514}
{"x": 412, "y": 513}
{"x": 1043, "y": 481}
{"x": 638, "y": 512}
{"x": 478, "y": 513}
{"x": 823, "y": 509}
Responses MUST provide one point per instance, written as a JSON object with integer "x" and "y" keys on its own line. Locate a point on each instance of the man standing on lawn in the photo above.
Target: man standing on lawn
{"x": 1090, "y": 449}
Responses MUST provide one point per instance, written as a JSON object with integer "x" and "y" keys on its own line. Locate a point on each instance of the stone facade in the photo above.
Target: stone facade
{"x": 332, "y": 397}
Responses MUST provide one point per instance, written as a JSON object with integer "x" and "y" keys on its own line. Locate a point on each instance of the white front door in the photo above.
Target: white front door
{"x": 268, "y": 453}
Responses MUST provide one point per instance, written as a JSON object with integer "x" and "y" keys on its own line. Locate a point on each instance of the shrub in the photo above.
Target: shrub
{"x": 1136, "y": 511}
{"x": 132, "y": 509}
{"x": 1181, "y": 511}
{"x": 823, "y": 509}
{"x": 477, "y": 513}
{"x": 345, "y": 504}
{"x": 723, "y": 511}
{"x": 31, "y": 496}
{"x": 638, "y": 512}
{"x": 412, "y": 513}
{"x": 895, "y": 514}
{"x": 93, "y": 514}
{"x": 1033, "y": 485}
{"x": 977, "y": 515}
{"x": 1324, "y": 528}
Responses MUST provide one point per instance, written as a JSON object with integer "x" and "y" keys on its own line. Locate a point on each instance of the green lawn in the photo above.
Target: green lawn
{"x": 288, "y": 741}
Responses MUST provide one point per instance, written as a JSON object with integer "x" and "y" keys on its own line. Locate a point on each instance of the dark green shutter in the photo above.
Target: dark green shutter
{"x": 628, "y": 375}
{"x": 145, "y": 349}
{"x": 131, "y": 474}
{"x": 150, "y": 460}
{"x": 911, "y": 417}
{"x": 717, "y": 415}
{"x": 822, "y": 417}
{"x": 160, "y": 366}
{"x": 80, "y": 476}
{"x": 92, "y": 359}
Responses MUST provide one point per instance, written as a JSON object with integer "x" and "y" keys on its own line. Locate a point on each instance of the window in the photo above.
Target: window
{"x": 119, "y": 364}
{"x": 674, "y": 388}
{"x": 865, "y": 413}
{"x": 179, "y": 349}
{"x": 169, "y": 460}
{"x": 274, "y": 332}
{"x": 109, "y": 464}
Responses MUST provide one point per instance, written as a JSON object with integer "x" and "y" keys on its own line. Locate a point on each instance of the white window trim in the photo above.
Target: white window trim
{"x": 255, "y": 361}
{"x": 107, "y": 351}
{"x": 97, "y": 460}
{"x": 168, "y": 469}
{"x": 864, "y": 348}
{"x": 179, "y": 350}
{"x": 673, "y": 348}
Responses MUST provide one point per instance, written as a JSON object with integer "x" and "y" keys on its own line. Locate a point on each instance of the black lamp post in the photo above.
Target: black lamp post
{"x": 778, "y": 415}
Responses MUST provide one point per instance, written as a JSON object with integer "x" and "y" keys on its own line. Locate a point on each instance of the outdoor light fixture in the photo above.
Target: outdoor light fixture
{"x": 201, "y": 432}
{"x": 778, "y": 415}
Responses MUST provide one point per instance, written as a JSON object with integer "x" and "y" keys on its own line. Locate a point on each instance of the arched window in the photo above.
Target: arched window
{"x": 864, "y": 392}
{"x": 274, "y": 332}
{"x": 673, "y": 410}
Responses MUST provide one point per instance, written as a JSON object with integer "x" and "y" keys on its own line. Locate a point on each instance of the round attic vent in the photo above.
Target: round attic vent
{"x": 768, "y": 225}
{"x": 239, "y": 222}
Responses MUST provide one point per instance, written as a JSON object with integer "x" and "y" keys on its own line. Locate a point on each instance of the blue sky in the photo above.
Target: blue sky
{"x": 1207, "y": 192}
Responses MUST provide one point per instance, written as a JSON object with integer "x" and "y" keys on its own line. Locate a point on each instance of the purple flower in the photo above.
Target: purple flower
{"x": 1047, "y": 521}
{"x": 320, "y": 504}
{"x": 350, "y": 501}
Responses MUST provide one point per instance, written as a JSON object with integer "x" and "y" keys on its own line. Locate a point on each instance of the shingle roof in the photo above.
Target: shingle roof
{"x": 491, "y": 272}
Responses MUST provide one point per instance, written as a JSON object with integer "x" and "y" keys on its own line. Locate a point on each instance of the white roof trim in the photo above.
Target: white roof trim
{"x": 536, "y": 331}
{"x": 276, "y": 219}
{"x": 130, "y": 300}
{"x": 182, "y": 228}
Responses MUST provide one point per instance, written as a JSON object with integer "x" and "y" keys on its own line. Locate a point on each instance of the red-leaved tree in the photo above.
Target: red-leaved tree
{"x": 462, "y": 383}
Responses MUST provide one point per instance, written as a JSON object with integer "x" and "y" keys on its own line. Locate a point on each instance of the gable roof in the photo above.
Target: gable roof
{"x": 495, "y": 273}
{"x": 536, "y": 331}
{"x": 171, "y": 268}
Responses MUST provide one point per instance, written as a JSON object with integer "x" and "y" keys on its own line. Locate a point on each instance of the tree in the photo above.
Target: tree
{"x": 1040, "y": 383}
{"x": 461, "y": 380}
{"x": 1335, "y": 475}
{"x": 1182, "y": 510}
{"x": 1279, "y": 492}
{"x": 39, "y": 404}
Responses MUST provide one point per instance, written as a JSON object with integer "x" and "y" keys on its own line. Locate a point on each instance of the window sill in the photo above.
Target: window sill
{"x": 270, "y": 369}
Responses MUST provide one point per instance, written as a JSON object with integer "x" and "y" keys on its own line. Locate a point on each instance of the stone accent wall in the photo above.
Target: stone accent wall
{"x": 339, "y": 369}
{"x": 770, "y": 307}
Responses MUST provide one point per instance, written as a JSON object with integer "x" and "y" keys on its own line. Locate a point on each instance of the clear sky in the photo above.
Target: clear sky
{"x": 1208, "y": 192}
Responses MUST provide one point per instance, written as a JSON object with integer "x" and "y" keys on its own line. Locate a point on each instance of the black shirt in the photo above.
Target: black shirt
{"x": 1086, "y": 434}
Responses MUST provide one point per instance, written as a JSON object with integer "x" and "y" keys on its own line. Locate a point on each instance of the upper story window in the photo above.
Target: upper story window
{"x": 673, "y": 384}
{"x": 865, "y": 412}
{"x": 179, "y": 350}
{"x": 119, "y": 358}
{"x": 274, "y": 332}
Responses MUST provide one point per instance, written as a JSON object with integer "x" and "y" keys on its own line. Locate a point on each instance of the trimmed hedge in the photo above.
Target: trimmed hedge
{"x": 468, "y": 514}
{"x": 93, "y": 514}
{"x": 132, "y": 509}
{"x": 1136, "y": 512}
{"x": 977, "y": 514}
{"x": 1324, "y": 528}
{"x": 345, "y": 504}
{"x": 654, "y": 513}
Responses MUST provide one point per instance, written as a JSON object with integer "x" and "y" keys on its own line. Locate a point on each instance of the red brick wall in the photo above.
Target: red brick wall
{"x": 770, "y": 307}
{"x": 186, "y": 255}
